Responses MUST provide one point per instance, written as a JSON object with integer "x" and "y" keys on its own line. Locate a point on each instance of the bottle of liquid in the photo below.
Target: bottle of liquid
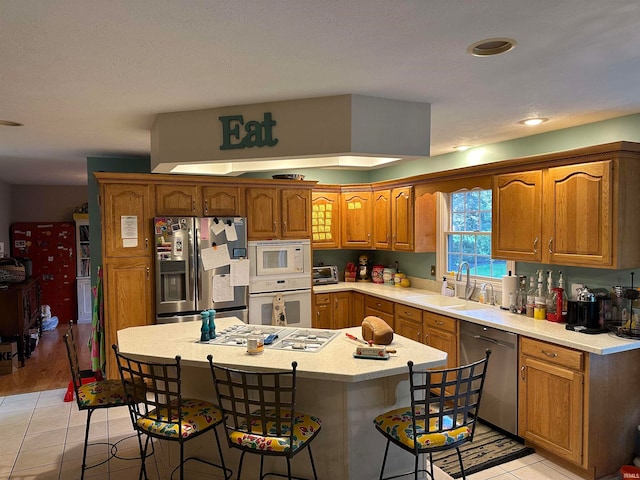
{"x": 531, "y": 296}
{"x": 444, "y": 286}
{"x": 550, "y": 297}
{"x": 540, "y": 309}
{"x": 565, "y": 307}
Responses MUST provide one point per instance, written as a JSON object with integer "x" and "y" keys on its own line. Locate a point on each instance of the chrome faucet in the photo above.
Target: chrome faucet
{"x": 468, "y": 288}
{"x": 492, "y": 298}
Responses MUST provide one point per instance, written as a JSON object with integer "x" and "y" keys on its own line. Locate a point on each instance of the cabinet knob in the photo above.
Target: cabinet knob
{"x": 522, "y": 372}
{"x": 535, "y": 246}
{"x": 284, "y": 224}
{"x": 439, "y": 322}
{"x": 550, "y": 245}
{"x": 550, "y": 354}
{"x": 193, "y": 205}
{"x": 148, "y": 273}
{"x": 146, "y": 244}
{"x": 206, "y": 206}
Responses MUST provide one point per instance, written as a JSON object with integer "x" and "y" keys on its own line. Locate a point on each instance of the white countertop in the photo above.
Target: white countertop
{"x": 334, "y": 361}
{"x": 490, "y": 316}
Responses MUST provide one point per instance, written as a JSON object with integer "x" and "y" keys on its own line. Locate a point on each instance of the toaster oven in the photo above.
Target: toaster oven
{"x": 325, "y": 275}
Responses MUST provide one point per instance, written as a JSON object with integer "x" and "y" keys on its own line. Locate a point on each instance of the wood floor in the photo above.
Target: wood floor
{"x": 48, "y": 367}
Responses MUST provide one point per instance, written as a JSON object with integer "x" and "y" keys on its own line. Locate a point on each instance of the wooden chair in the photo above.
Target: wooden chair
{"x": 91, "y": 396}
{"x": 159, "y": 410}
{"x": 442, "y": 414}
{"x": 261, "y": 417}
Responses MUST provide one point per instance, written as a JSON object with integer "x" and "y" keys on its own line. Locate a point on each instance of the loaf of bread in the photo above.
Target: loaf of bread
{"x": 376, "y": 330}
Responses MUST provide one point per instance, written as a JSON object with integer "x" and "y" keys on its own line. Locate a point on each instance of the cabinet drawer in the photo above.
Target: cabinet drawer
{"x": 551, "y": 353}
{"x": 322, "y": 298}
{"x": 379, "y": 304}
{"x": 387, "y": 317}
{"x": 408, "y": 313}
{"x": 433, "y": 320}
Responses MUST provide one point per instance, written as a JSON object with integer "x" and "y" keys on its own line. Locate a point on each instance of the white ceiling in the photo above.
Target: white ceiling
{"x": 87, "y": 77}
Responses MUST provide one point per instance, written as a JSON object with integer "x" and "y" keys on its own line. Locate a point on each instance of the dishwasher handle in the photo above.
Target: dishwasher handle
{"x": 491, "y": 340}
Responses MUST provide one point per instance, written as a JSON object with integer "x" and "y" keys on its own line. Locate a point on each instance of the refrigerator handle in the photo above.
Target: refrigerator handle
{"x": 193, "y": 261}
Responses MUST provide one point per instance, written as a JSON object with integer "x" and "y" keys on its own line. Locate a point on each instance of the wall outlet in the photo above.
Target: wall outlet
{"x": 433, "y": 270}
{"x": 574, "y": 289}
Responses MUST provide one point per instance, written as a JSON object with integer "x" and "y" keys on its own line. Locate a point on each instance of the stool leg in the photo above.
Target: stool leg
{"x": 384, "y": 460}
{"x": 313, "y": 465}
{"x": 86, "y": 440}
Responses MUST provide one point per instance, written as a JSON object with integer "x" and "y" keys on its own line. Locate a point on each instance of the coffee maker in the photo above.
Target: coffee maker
{"x": 584, "y": 313}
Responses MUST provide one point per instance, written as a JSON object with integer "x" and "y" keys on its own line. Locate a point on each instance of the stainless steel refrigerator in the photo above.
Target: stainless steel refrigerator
{"x": 199, "y": 265}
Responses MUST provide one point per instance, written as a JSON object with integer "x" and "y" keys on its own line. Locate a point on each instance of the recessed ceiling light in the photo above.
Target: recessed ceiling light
{"x": 491, "y": 46}
{"x": 533, "y": 121}
{"x": 9, "y": 123}
{"x": 462, "y": 148}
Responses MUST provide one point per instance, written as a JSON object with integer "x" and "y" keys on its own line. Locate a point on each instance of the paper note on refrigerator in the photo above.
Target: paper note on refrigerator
{"x": 214, "y": 257}
{"x": 230, "y": 231}
{"x": 240, "y": 272}
{"x": 222, "y": 289}
{"x": 217, "y": 227}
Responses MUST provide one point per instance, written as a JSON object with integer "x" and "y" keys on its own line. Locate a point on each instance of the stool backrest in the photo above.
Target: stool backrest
{"x": 251, "y": 400}
{"x": 447, "y": 399}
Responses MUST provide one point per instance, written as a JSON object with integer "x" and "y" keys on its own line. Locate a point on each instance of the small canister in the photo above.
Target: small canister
{"x": 387, "y": 276}
{"x": 377, "y": 274}
{"x": 255, "y": 343}
{"x": 540, "y": 309}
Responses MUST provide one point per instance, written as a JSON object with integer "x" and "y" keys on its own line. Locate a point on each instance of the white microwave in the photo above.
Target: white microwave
{"x": 279, "y": 257}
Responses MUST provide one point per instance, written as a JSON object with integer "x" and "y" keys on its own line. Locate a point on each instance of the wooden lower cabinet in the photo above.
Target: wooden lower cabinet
{"x": 357, "y": 308}
{"x": 408, "y": 322}
{"x": 442, "y": 333}
{"x": 551, "y": 397}
{"x": 128, "y": 300}
{"x": 332, "y": 310}
{"x": 380, "y": 308}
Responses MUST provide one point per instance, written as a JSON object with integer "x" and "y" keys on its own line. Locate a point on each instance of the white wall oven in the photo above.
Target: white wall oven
{"x": 280, "y": 272}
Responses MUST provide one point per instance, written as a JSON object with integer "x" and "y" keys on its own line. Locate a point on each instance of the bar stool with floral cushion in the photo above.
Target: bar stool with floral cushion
{"x": 261, "y": 417}
{"x": 159, "y": 410}
{"x": 442, "y": 414}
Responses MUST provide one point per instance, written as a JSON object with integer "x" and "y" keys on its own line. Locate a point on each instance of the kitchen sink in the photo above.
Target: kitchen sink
{"x": 437, "y": 301}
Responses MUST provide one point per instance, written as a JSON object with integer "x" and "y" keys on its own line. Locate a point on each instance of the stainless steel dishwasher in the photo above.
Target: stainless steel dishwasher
{"x": 500, "y": 395}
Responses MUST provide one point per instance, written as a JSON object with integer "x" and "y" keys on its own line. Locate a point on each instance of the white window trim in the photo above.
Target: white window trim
{"x": 442, "y": 224}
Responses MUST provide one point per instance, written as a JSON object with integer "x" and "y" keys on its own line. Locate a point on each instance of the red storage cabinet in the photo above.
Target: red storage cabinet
{"x": 51, "y": 249}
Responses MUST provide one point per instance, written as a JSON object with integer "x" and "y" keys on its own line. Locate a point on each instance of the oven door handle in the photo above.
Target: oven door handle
{"x": 284, "y": 293}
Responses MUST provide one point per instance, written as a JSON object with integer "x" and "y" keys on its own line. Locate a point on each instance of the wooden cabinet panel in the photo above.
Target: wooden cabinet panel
{"x": 128, "y": 300}
{"x": 578, "y": 214}
{"x": 223, "y": 201}
{"x": 262, "y": 213}
{"x": 402, "y": 219}
{"x": 380, "y": 308}
{"x": 178, "y": 200}
{"x": 295, "y": 214}
{"x": 517, "y": 216}
{"x": 126, "y": 200}
{"x": 325, "y": 219}
{"x": 322, "y": 311}
{"x": 278, "y": 213}
{"x": 550, "y": 403}
{"x": 408, "y": 322}
{"x": 342, "y": 310}
{"x": 357, "y": 308}
{"x": 425, "y": 231}
{"x": 356, "y": 219}
{"x": 382, "y": 219}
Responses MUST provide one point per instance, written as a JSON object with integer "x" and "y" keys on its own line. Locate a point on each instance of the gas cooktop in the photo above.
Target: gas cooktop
{"x": 298, "y": 339}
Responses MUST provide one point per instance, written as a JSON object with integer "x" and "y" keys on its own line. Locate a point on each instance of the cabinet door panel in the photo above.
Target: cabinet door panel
{"x": 578, "y": 214}
{"x": 356, "y": 219}
{"x": 550, "y": 408}
{"x": 296, "y": 211}
{"x": 517, "y": 216}
{"x": 402, "y": 220}
{"x": 382, "y": 219}
{"x": 123, "y": 200}
{"x": 341, "y": 309}
{"x": 177, "y": 200}
{"x": 325, "y": 219}
{"x": 128, "y": 300}
{"x": 223, "y": 201}
{"x": 322, "y": 311}
{"x": 262, "y": 213}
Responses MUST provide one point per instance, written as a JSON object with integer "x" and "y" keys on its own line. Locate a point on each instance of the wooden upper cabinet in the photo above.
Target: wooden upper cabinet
{"x": 222, "y": 201}
{"x": 127, "y": 219}
{"x": 325, "y": 219}
{"x": 356, "y": 219}
{"x": 295, "y": 221}
{"x": 382, "y": 219}
{"x": 424, "y": 214}
{"x": 402, "y": 218}
{"x": 578, "y": 214}
{"x": 278, "y": 213}
{"x": 262, "y": 213}
{"x": 178, "y": 200}
{"x": 517, "y": 216}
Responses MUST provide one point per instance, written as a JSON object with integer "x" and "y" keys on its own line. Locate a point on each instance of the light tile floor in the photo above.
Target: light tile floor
{"x": 42, "y": 439}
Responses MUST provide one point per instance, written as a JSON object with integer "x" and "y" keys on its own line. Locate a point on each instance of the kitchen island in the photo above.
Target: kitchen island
{"x": 345, "y": 392}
